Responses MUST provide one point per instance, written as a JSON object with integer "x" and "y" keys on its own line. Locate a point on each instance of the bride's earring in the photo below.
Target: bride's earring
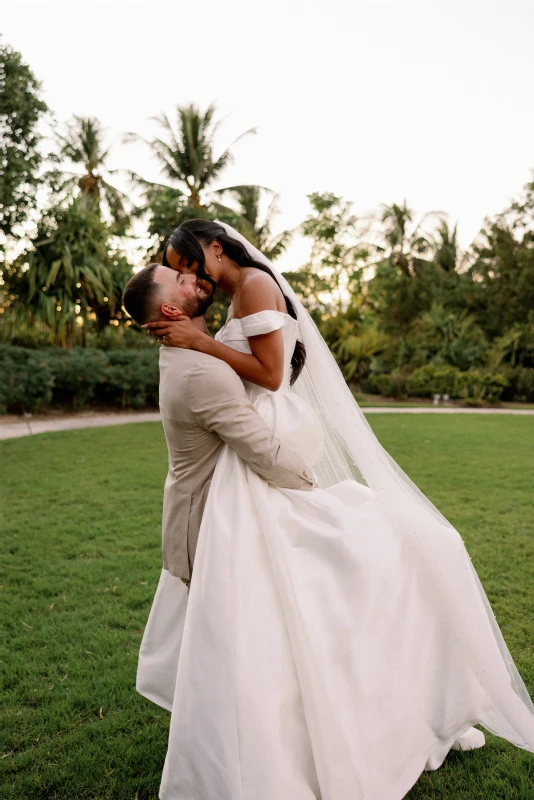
{"x": 219, "y": 258}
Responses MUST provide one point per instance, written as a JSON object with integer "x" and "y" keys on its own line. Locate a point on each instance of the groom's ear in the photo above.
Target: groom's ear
{"x": 171, "y": 311}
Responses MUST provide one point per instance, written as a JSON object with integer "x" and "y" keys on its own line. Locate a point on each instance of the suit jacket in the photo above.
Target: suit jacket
{"x": 204, "y": 405}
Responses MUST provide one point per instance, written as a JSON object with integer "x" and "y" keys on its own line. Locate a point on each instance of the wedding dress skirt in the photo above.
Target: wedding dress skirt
{"x": 313, "y": 657}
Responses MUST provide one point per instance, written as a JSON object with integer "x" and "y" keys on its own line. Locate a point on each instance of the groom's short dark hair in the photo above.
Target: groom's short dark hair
{"x": 140, "y": 294}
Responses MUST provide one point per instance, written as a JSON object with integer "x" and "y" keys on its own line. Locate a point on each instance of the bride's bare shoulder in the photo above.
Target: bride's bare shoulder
{"x": 260, "y": 292}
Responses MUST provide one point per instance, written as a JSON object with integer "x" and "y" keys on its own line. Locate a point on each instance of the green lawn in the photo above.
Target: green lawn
{"x": 81, "y": 526}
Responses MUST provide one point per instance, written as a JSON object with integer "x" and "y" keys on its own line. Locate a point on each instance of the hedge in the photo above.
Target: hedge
{"x": 31, "y": 380}
{"x": 26, "y": 379}
{"x": 474, "y": 387}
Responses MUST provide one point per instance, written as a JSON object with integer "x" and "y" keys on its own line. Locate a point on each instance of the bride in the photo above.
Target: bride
{"x": 336, "y": 642}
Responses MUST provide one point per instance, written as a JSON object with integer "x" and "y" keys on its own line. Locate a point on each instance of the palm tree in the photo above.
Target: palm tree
{"x": 250, "y": 223}
{"x": 515, "y": 346}
{"x": 446, "y": 246}
{"x": 83, "y": 144}
{"x": 185, "y": 152}
{"x": 403, "y": 244}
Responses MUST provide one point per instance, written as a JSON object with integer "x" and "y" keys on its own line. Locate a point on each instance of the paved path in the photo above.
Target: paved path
{"x": 30, "y": 426}
{"x": 450, "y": 410}
{"x": 13, "y": 430}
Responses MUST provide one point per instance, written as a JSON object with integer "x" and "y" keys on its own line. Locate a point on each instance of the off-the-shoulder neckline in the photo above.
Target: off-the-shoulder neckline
{"x": 256, "y": 314}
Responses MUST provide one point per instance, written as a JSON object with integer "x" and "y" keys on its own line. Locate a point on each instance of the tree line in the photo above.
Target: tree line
{"x": 402, "y": 306}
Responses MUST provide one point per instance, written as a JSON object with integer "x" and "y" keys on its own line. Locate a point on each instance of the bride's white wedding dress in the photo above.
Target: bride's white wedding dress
{"x": 314, "y": 657}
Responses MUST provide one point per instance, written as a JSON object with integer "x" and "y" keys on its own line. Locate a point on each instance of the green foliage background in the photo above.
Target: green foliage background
{"x": 392, "y": 294}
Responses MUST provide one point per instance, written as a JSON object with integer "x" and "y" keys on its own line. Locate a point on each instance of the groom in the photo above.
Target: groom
{"x": 203, "y": 405}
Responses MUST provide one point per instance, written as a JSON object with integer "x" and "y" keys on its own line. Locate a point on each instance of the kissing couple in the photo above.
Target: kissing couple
{"x": 319, "y": 631}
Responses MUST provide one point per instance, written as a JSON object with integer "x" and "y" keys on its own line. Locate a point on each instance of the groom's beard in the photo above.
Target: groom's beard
{"x": 196, "y": 306}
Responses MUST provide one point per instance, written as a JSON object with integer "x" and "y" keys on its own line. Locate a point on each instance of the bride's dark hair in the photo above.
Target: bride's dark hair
{"x": 187, "y": 241}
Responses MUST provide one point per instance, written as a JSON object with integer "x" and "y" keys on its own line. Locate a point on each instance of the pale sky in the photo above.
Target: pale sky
{"x": 375, "y": 101}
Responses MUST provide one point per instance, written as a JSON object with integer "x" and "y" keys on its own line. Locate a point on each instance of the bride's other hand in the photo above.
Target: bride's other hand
{"x": 177, "y": 333}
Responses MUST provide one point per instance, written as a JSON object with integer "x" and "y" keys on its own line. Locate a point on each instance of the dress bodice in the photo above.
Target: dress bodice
{"x": 236, "y": 333}
{"x": 293, "y": 420}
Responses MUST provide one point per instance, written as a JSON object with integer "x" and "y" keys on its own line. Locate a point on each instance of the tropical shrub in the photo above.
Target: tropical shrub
{"x": 26, "y": 380}
{"x": 31, "y": 380}
{"x": 77, "y": 375}
{"x": 386, "y": 384}
{"x": 449, "y": 338}
{"x": 472, "y": 386}
{"x": 433, "y": 379}
{"x": 476, "y": 387}
{"x": 132, "y": 378}
{"x": 525, "y": 385}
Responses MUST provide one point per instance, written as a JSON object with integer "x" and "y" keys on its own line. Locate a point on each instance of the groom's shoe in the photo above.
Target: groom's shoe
{"x": 471, "y": 740}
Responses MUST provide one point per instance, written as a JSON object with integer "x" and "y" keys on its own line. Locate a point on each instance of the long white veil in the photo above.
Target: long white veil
{"x": 435, "y": 550}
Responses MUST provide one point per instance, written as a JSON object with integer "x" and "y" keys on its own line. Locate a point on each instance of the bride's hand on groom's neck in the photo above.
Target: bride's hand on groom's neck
{"x": 184, "y": 332}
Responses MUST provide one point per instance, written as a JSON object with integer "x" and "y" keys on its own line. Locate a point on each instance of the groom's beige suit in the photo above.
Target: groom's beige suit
{"x": 203, "y": 406}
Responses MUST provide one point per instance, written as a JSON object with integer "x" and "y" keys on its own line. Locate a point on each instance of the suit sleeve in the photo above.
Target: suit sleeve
{"x": 219, "y": 403}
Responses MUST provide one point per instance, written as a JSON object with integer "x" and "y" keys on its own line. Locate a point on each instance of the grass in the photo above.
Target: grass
{"x": 385, "y": 403}
{"x": 377, "y": 401}
{"x": 81, "y": 527}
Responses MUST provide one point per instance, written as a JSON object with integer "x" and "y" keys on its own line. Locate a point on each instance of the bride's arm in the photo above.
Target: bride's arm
{"x": 265, "y": 366}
